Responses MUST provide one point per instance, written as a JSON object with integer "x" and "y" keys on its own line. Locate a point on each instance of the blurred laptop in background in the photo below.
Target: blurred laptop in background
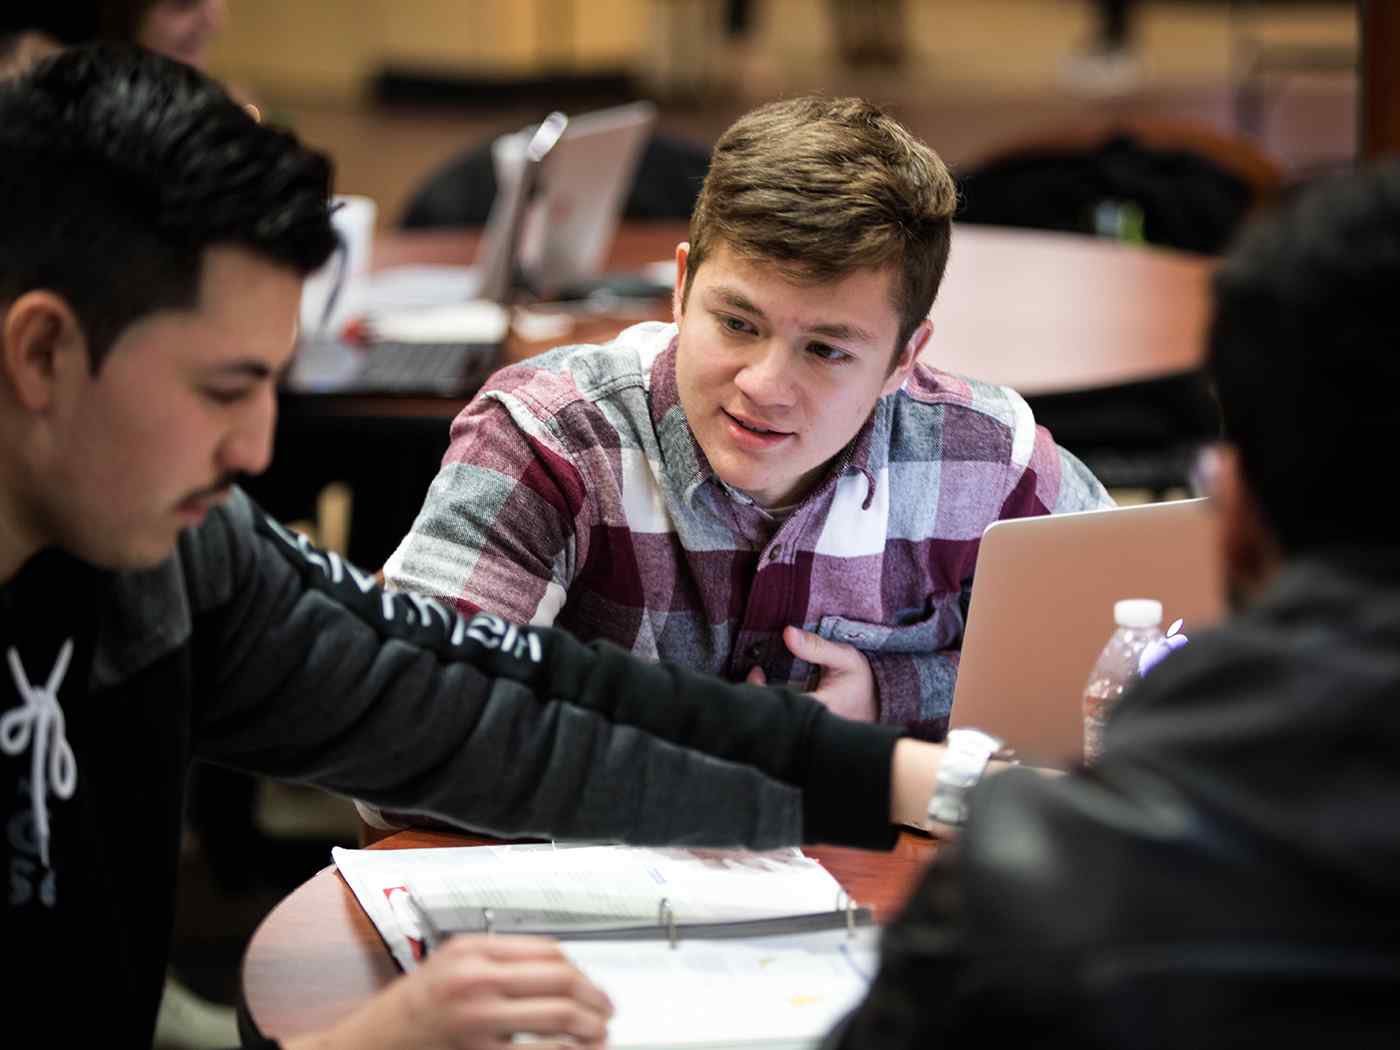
{"x": 438, "y": 330}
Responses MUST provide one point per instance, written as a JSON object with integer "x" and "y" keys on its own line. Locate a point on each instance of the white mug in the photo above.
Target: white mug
{"x": 329, "y": 296}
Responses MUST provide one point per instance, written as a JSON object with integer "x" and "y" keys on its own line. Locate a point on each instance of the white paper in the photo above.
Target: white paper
{"x": 779, "y": 991}
{"x": 422, "y": 285}
{"x": 474, "y": 321}
{"x": 698, "y": 885}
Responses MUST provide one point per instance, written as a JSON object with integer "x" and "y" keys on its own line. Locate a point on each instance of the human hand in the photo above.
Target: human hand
{"x": 846, "y": 684}
{"x": 478, "y": 991}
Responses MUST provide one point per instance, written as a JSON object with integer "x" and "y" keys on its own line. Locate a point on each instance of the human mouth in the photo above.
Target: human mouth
{"x": 750, "y": 433}
{"x": 196, "y": 505}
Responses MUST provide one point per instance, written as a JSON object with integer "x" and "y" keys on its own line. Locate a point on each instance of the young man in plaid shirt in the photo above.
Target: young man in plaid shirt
{"x": 773, "y": 487}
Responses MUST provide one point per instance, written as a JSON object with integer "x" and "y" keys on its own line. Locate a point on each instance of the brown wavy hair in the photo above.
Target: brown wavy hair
{"x": 823, "y": 187}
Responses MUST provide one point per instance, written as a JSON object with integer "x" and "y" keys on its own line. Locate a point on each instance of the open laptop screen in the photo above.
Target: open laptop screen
{"x": 1042, "y": 609}
{"x": 576, "y": 197}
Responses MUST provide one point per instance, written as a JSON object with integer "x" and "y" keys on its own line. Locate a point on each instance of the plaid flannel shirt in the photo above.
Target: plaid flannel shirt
{"x": 573, "y": 492}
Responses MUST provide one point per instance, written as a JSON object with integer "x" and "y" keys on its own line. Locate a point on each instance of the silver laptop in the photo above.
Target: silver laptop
{"x": 561, "y": 186}
{"x": 558, "y": 235}
{"x": 1042, "y": 609}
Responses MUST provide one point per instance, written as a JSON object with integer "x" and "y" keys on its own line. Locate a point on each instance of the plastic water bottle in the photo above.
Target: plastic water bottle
{"x": 1139, "y": 631}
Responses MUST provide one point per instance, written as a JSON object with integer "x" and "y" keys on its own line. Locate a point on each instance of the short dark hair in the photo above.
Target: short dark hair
{"x": 1304, "y": 351}
{"x": 119, "y": 167}
{"x": 823, "y": 187}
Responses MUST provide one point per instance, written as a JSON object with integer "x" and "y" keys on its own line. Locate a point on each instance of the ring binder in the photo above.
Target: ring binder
{"x": 583, "y": 927}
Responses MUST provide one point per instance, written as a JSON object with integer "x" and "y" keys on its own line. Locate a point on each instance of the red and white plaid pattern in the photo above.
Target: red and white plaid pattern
{"x": 574, "y": 493}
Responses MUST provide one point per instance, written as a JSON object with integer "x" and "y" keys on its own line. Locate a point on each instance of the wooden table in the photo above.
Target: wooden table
{"x": 317, "y": 956}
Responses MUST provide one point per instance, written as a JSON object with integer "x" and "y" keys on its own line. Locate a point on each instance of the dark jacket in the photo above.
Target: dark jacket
{"x": 1229, "y": 875}
{"x": 251, "y": 649}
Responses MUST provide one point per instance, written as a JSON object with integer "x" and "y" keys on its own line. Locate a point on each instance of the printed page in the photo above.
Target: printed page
{"x": 780, "y": 991}
{"x": 580, "y": 884}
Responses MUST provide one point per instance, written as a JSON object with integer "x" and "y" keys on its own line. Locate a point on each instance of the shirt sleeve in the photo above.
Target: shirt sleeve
{"x": 307, "y": 671}
{"x": 915, "y": 690}
{"x": 1053, "y": 481}
{"x": 504, "y": 520}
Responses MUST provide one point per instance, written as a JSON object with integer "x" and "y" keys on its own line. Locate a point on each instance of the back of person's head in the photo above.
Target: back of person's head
{"x": 119, "y": 167}
{"x": 823, "y": 187}
{"x": 1304, "y": 351}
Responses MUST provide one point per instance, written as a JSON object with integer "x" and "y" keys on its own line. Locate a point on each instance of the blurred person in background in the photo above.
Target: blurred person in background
{"x": 184, "y": 30}
{"x": 1108, "y": 63}
{"x": 180, "y": 29}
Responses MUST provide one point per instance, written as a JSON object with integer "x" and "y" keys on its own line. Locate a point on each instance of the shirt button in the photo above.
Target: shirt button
{"x": 755, "y": 652}
{"x": 775, "y": 554}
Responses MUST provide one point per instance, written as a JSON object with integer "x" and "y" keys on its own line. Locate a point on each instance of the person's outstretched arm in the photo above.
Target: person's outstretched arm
{"x": 308, "y": 671}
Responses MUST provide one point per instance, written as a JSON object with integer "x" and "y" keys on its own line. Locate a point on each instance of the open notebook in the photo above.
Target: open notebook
{"x": 696, "y": 948}
{"x": 1042, "y": 609}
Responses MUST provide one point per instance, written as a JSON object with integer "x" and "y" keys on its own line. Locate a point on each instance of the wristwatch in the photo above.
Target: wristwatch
{"x": 964, "y": 761}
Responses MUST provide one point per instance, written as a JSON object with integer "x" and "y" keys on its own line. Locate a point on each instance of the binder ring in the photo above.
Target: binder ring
{"x": 488, "y": 921}
{"x": 845, "y": 902}
{"x": 666, "y": 916}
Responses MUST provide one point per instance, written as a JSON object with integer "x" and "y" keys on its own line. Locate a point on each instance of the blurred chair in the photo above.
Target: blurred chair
{"x": 1165, "y": 183}
{"x": 1188, "y": 185}
{"x": 460, "y": 193}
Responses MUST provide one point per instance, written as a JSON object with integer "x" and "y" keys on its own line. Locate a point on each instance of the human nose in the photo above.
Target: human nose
{"x": 248, "y": 447}
{"x": 766, "y": 377}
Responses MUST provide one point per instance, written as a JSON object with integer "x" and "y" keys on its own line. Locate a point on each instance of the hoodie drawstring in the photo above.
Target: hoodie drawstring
{"x": 39, "y": 720}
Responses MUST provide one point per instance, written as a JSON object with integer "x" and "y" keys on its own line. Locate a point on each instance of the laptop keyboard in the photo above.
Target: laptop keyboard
{"x": 425, "y": 367}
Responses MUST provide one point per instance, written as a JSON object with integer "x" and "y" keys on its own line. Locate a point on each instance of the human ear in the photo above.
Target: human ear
{"x": 41, "y": 346}
{"x": 1250, "y": 552}
{"x": 678, "y": 292}
{"x": 904, "y": 362}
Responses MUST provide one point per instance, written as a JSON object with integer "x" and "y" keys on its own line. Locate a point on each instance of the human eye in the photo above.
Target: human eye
{"x": 828, "y": 353}
{"x": 735, "y": 325}
{"x": 222, "y": 395}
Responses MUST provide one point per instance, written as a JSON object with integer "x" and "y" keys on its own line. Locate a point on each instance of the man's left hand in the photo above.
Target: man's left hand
{"x": 846, "y": 684}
